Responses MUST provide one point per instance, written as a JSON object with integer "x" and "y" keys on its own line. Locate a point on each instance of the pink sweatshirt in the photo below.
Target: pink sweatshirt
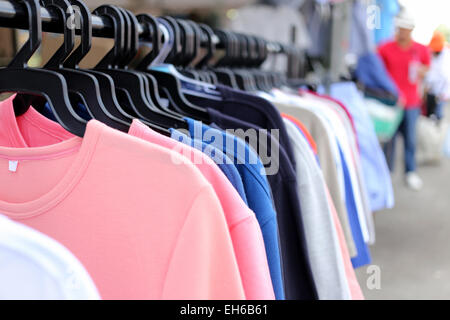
{"x": 144, "y": 227}
{"x": 244, "y": 229}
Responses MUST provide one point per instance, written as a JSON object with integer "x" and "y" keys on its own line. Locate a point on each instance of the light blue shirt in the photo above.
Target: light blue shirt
{"x": 375, "y": 169}
{"x": 388, "y": 9}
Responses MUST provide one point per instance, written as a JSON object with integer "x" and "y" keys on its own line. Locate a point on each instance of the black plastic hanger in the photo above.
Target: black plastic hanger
{"x": 224, "y": 75}
{"x": 177, "y": 47}
{"x": 242, "y": 63}
{"x": 197, "y": 55}
{"x": 242, "y": 78}
{"x": 210, "y": 46}
{"x": 131, "y": 83}
{"x": 154, "y": 36}
{"x": 81, "y": 83}
{"x": 255, "y": 52}
{"x": 206, "y": 36}
{"x": 198, "y": 37}
{"x": 170, "y": 85}
{"x": 131, "y": 49}
{"x": 117, "y": 51}
{"x": 106, "y": 84}
{"x": 252, "y": 54}
{"x": 241, "y": 71}
{"x": 109, "y": 61}
{"x": 187, "y": 38}
{"x": 268, "y": 76}
{"x": 18, "y": 77}
{"x": 150, "y": 84}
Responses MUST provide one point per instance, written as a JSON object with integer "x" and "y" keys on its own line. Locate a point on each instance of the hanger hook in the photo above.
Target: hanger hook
{"x": 64, "y": 10}
{"x": 154, "y": 36}
{"x": 211, "y": 48}
{"x": 114, "y": 14}
{"x": 134, "y": 38}
{"x": 35, "y": 35}
{"x": 86, "y": 34}
{"x": 197, "y": 54}
{"x": 176, "y": 47}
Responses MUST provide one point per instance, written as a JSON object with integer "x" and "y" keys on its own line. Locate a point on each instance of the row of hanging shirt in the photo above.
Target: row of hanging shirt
{"x": 201, "y": 190}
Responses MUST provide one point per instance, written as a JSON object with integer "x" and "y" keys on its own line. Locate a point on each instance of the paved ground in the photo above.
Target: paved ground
{"x": 413, "y": 240}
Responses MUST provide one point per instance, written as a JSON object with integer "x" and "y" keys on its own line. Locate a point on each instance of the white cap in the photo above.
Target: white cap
{"x": 405, "y": 20}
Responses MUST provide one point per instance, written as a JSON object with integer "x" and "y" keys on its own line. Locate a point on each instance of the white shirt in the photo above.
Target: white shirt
{"x": 438, "y": 77}
{"x": 337, "y": 129}
{"x": 339, "y": 114}
{"x": 36, "y": 267}
{"x": 343, "y": 140}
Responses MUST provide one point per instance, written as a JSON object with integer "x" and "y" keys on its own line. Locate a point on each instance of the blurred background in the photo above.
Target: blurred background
{"x": 411, "y": 251}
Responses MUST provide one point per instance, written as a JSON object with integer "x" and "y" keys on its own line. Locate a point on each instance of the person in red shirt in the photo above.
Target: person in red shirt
{"x": 407, "y": 62}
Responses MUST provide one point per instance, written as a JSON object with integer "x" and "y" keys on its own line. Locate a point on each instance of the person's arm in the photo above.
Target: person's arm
{"x": 422, "y": 72}
{"x": 425, "y": 59}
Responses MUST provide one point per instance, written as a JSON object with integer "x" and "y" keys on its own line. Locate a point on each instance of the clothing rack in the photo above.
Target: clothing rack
{"x": 13, "y": 15}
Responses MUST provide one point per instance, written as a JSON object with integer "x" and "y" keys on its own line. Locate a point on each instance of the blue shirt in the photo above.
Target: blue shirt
{"x": 372, "y": 73}
{"x": 223, "y": 162}
{"x": 256, "y": 188}
{"x": 363, "y": 255}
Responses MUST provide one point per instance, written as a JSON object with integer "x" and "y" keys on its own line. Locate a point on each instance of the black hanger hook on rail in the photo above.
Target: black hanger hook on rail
{"x": 119, "y": 35}
{"x": 155, "y": 38}
{"x": 63, "y": 8}
{"x": 210, "y": 46}
{"x": 35, "y": 35}
{"x": 86, "y": 34}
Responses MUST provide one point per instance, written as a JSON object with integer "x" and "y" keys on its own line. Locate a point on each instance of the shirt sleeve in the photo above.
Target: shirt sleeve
{"x": 203, "y": 264}
{"x": 252, "y": 259}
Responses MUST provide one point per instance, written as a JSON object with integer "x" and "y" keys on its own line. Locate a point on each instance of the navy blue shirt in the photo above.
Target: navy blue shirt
{"x": 79, "y": 108}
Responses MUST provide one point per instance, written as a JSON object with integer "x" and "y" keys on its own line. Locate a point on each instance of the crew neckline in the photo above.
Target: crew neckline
{"x": 46, "y": 125}
{"x": 84, "y": 149}
{"x": 16, "y": 139}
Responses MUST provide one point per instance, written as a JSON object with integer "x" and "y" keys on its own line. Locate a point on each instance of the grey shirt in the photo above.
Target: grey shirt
{"x": 322, "y": 241}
